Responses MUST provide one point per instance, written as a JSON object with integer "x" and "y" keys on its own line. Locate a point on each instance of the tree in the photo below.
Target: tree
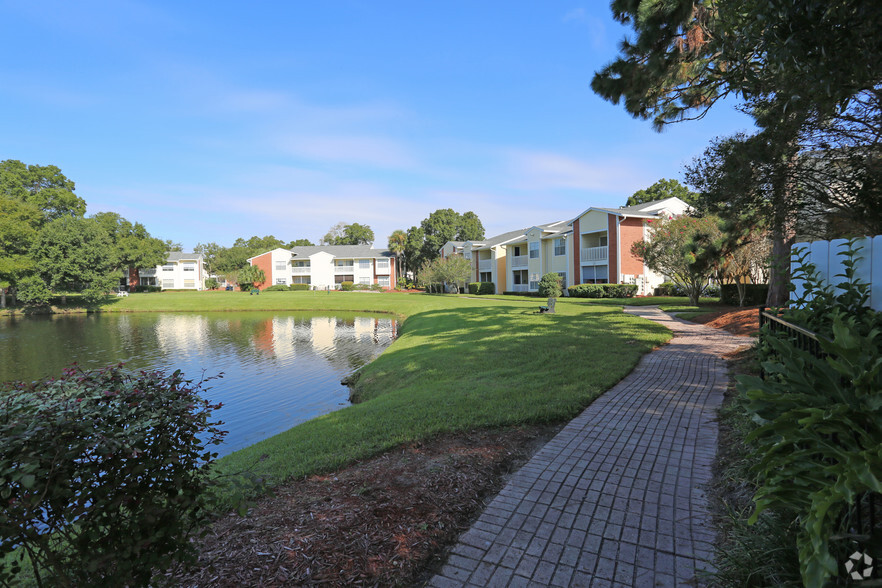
{"x": 42, "y": 186}
{"x": 452, "y": 270}
{"x": 134, "y": 246}
{"x": 299, "y": 243}
{"x": 257, "y": 245}
{"x": 351, "y": 234}
{"x": 445, "y": 225}
{"x": 397, "y": 242}
{"x": 550, "y": 287}
{"x": 19, "y": 222}
{"x": 675, "y": 248}
{"x": 75, "y": 254}
{"x": 413, "y": 249}
{"x": 251, "y": 275}
{"x": 660, "y": 190}
{"x": 173, "y": 246}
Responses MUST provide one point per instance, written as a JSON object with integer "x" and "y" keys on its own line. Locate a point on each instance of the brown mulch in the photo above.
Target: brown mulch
{"x": 742, "y": 321}
{"x": 386, "y": 521}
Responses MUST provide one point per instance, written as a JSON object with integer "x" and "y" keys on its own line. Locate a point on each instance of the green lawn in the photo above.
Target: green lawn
{"x": 459, "y": 363}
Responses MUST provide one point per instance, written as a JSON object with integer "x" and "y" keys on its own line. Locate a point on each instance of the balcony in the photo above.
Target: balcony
{"x": 595, "y": 253}
{"x": 520, "y": 288}
{"x": 344, "y": 269}
{"x": 300, "y": 270}
{"x": 519, "y": 261}
{"x": 485, "y": 265}
{"x": 383, "y": 269}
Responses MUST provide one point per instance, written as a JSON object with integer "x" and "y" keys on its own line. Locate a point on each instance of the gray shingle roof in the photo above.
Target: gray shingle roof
{"x": 179, "y": 255}
{"x": 558, "y": 227}
{"x": 342, "y": 251}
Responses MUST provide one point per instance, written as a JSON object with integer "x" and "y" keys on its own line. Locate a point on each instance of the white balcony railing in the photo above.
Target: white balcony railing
{"x": 300, "y": 270}
{"x": 344, "y": 269}
{"x": 520, "y": 288}
{"x": 484, "y": 265}
{"x": 519, "y": 261}
{"x": 595, "y": 253}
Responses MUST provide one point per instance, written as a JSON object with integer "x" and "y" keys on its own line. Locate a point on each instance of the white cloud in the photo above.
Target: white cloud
{"x": 353, "y": 149}
{"x": 536, "y": 170}
{"x": 575, "y": 14}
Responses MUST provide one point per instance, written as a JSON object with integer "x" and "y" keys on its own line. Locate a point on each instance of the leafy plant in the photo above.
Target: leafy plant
{"x": 103, "y": 475}
{"x": 602, "y": 290}
{"x": 550, "y": 285}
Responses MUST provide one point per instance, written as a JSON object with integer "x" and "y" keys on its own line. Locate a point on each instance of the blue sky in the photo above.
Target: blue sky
{"x": 207, "y": 121}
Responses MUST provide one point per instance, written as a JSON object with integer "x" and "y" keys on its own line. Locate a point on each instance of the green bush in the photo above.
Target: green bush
{"x": 531, "y": 294}
{"x": 297, "y": 287}
{"x": 347, "y": 286}
{"x": 755, "y": 294}
{"x": 103, "y": 475}
{"x": 550, "y": 285}
{"x": 33, "y": 290}
{"x": 377, "y": 288}
{"x": 669, "y": 289}
{"x": 277, "y": 288}
{"x": 148, "y": 288}
{"x": 474, "y": 287}
{"x": 603, "y": 290}
{"x": 211, "y": 283}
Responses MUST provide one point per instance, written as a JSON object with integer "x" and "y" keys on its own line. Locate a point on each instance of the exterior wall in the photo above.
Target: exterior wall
{"x": 534, "y": 265}
{"x": 631, "y": 231}
{"x": 592, "y": 221}
{"x": 501, "y": 279}
{"x": 613, "y": 240}
{"x": 322, "y": 270}
{"x": 576, "y": 249}
{"x": 177, "y": 278}
{"x": 265, "y": 262}
{"x": 278, "y": 275}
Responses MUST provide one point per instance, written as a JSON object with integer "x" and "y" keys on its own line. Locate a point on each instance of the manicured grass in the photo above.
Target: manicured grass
{"x": 461, "y": 364}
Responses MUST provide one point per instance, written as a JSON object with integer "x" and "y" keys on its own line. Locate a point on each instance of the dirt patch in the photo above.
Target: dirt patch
{"x": 742, "y": 321}
{"x": 386, "y": 521}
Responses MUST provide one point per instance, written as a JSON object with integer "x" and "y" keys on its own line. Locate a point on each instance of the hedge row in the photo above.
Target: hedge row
{"x": 482, "y": 288}
{"x": 603, "y": 290}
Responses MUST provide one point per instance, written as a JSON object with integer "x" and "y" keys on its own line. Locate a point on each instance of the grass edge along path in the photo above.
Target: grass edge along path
{"x": 458, "y": 364}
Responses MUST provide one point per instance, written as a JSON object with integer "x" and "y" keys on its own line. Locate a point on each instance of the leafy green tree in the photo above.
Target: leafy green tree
{"x": 413, "y": 249}
{"x": 76, "y": 254}
{"x": 134, "y": 246}
{"x": 445, "y": 225}
{"x": 251, "y": 275}
{"x": 257, "y": 245}
{"x": 19, "y": 222}
{"x": 351, "y": 234}
{"x": 550, "y": 285}
{"x": 676, "y": 247}
{"x": 660, "y": 190}
{"x": 454, "y": 270}
{"x": 32, "y": 290}
{"x": 470, "y": 227}
{"x": 173, "y": 246}
{"x": 333, "y": 234}
{"x": 209, "y": 252}
{"x": 42, "y": 186}
{"x": 299, "y": 243}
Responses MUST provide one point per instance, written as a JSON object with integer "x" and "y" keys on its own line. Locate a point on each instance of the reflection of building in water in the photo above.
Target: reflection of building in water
{"x": 182, "y": 332}
{"x": 324, "y": 336}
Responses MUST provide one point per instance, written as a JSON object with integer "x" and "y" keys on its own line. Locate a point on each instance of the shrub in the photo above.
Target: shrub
{"x": 277, "y": 288}
{"x": 377, "y": 288}
{"x": 669, "y": 289}
{"x": 474, "y": 287}
{"x": 755, "y": 294}
{"x": 402, "y": 283}
{"x": 33, "y": 290}
{"x": 550, "y": 285}
{"x": 531, "y": 294}
{"x": 297, "y": 287}
{"x": 211, "y": 283}
{"x": 103, "y": 475}
{"x": 347, "y": 286}
{"x": 603, "y": 290}
{"x": 148, "y": 288}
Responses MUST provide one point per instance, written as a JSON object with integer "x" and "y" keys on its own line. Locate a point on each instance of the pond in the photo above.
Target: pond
{"x": 279, "y": 369}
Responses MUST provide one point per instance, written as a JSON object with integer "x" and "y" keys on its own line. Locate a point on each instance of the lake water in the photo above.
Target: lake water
{"x": 280, "y": 369}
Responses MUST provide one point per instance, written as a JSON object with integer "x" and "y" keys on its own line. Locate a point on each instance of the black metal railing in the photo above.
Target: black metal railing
{"x": 800, "y": 337}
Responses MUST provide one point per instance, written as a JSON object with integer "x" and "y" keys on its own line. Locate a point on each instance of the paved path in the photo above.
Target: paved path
{"x": 617, "y": 497}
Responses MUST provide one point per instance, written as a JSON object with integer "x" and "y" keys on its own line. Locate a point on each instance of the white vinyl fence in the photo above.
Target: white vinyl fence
{"x": 824, "y": 254}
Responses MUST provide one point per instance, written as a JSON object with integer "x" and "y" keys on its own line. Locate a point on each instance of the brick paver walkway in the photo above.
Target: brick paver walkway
{"x": 617, "y": 497}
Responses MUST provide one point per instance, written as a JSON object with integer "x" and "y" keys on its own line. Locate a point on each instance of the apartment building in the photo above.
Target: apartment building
{"x": 181, "y": 271}
{"x": 327, "y": 266}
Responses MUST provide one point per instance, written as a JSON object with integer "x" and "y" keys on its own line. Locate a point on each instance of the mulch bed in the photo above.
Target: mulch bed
{"x": 386, "y": 521}
{"x": 743, "y": 321}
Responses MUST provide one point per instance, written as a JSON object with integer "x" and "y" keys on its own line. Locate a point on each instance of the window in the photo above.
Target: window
{"x": 563, "y": 279}
{"x": 534, "y": 285}
{"x": 467, "y": 254}
{"x": 595, "y": 274}
{"x": 517, "y": 250}
{"x": 382, "y": 264}
{"x": 169, "y": 267}
{"x": 189, "y": 266}
{"x": 364, "y": 264}
{"x": 603, "y": 241}
{"x": 344, "y": 278}
{"x": 299, "y": 264}
{"x": 383, "y": 281}
{"x": 168, "y": 284}
{"x": 281, "y": 281}
{"x": 281, "y": 265}
{"x": 534, "y": 250}
{"x": 343, "y": 262}
{"x": 189, "y": 283}
{"x": 300, "y": 280}
{"x": 147, "y": 281}
{"x": 560, "y": 247}
{"x": 364, "y": 280}
{"x": 485, "y": 277}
